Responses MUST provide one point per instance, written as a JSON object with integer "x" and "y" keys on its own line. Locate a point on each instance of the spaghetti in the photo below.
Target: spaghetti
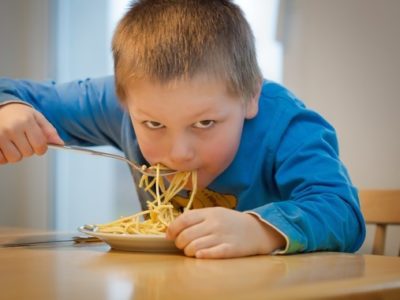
{"x": 160, "y": 212}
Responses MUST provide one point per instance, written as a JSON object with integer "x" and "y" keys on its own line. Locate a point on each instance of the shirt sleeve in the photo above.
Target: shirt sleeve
{"x": 320, "y": 208}
{"x": 84, "y": 112}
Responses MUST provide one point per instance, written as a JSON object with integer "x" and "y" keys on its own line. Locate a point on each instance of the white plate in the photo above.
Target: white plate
{"x": 133, "y": 242}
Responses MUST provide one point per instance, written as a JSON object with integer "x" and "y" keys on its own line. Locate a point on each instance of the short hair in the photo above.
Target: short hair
{"x": 167, "y": 40}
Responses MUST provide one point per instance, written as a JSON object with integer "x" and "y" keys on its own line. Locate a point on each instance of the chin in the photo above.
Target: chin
{"x": 203, "y": 180}
{"x": 200, "y": 185}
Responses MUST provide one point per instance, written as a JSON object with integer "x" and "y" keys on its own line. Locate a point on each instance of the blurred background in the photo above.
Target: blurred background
{"x": 340, "y": 57}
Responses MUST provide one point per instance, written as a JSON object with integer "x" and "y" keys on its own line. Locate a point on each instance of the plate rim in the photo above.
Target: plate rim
{"x": 134, "y": 242}
{"x": 123, "y": 235}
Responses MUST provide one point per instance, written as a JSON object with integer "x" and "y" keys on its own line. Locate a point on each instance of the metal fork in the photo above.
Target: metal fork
{"x": 142, "y": 169}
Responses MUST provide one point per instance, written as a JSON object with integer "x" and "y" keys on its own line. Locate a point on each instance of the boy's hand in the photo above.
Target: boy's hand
{"x": 24, "y": 132}
{"x": 223, "y": 233}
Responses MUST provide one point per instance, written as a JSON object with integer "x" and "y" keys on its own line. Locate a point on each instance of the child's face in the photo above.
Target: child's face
{"x": 189, "y": 125}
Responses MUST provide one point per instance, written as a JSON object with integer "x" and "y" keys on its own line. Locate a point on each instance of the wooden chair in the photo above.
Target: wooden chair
{"x": 382, "y": 208}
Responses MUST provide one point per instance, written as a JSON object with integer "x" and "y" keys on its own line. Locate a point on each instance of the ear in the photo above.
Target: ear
{"x": 252, "y": 103}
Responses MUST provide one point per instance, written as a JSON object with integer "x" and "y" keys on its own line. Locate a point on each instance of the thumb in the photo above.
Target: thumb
{"x": 49, "y": 131}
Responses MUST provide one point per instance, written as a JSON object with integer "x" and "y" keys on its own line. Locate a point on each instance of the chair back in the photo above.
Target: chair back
{"x": 382, "y": 208}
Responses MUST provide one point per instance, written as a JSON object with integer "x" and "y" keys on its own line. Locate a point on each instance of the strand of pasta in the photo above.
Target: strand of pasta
{"x": 160, "y": 210}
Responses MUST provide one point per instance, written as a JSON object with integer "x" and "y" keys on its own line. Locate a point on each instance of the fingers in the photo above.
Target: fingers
{"x": 199, "y": 244}
{"x": 23, "y": 146}
{"x": 37, "y": 139}
{"x": 191, "y": 235}
{"x": 218, "y": 251}
{"x": 216, "y": 233}
{"x": 208, "y": 246}
{"x": 183, "y": 222}
{"x": 49, "y": 131}
{"x": 9, "y": 153}
{"x": 24, "y": 132}
{"x": 193, "y": 232}
{"x": 2, "y": 158}
{"x": 188, "y": 232}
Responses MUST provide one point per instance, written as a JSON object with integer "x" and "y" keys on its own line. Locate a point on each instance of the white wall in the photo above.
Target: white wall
{"x": 25, "y": 52}
{"x": 342, "y": 58}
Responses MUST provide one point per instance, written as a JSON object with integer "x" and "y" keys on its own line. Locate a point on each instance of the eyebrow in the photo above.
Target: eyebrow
{"x": 141, "y": 112}
{"x": 203, "y": 112}
{"x": 194, "y": 116}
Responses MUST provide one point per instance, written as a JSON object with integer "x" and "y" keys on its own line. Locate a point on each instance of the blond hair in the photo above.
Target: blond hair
{"x": 166, "y": 40}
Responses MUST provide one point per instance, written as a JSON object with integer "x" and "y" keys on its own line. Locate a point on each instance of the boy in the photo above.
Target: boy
{"x": 191, "y": 96}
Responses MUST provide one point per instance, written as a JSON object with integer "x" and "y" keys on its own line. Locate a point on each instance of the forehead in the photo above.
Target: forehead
{"x": 200, "y": 88}
{"x": 184, "y": 100}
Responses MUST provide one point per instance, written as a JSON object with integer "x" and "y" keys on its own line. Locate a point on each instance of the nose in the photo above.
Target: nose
{"x": 181, "y": 152}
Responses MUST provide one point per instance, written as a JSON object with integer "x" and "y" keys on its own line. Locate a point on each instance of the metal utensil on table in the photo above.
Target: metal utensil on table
{"x": 142, "y": 169}
{"x": 47, "y": 239}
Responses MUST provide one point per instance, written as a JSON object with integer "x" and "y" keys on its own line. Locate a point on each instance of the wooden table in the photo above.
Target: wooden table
{"x": 65, "y": 270}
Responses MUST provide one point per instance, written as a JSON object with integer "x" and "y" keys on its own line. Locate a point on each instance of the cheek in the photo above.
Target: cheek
{"x": 220, "y": 152}
{"x": 151, "y": 148}
{"x": 149, "y": 152}
{"x": 216, "y": 155}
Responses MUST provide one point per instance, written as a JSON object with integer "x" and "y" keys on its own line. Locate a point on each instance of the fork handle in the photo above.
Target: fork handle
{"x": 93, "y": 152}
{"x": 105, "y": 154}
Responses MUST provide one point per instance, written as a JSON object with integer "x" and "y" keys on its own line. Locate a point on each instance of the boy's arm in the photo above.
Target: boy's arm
{"x": 321, "y": 210}
{"x": 84, "y": 112}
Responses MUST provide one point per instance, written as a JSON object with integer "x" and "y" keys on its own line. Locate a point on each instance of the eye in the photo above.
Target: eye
{"x": 153, "y": 124}
{"x": 204, "y": 124}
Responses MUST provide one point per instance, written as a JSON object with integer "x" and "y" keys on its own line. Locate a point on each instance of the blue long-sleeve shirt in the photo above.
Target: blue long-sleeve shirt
{"x": 287, "y": 169}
